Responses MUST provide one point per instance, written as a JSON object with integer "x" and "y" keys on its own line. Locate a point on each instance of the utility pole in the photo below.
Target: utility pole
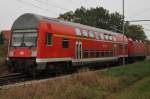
{"x": 123, "y": 31}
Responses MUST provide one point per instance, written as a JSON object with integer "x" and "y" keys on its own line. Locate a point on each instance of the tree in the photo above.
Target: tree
{"x": 116, "y": 22}
{"x": 68, "y": 16}
{"x": 102, "y": 18}
{"x": 136, "y": 32}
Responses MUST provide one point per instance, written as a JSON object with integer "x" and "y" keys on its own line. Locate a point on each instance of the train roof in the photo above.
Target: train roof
{"x": 30, "y": 20}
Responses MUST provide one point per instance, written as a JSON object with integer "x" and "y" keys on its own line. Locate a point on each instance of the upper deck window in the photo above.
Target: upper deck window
{"x": 102, "y": 36}
{"x": 114, "y": 38}
{"x": 91, "y": 34}
{"x": 97, "y": 35}
{"x": 106, "y": 37}
{"x": 78, "y": 32}
{"x": 110, "y": 37}
{"x": 85, "y": 33}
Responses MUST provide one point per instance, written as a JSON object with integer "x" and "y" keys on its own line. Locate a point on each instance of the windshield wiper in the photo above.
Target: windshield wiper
{"x": 22, "y": 44}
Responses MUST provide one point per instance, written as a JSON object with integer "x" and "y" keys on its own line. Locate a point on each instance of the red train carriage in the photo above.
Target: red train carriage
{"x": 136, "y": 49}
{"x": 39, "y": 42}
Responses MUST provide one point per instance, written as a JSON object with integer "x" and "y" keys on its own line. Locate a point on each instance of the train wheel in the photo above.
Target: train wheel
{"x": 120, "y": 61}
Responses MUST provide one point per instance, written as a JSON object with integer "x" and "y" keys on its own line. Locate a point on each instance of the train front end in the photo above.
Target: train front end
{"x": 22, "y": 51}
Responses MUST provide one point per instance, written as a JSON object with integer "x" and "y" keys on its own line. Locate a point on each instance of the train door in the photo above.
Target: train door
{"x": 78, "y": 50}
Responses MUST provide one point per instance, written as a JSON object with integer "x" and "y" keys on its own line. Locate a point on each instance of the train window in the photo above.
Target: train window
{"x": 120, "y": 46}
{"x": 106, "y": 37}
{"x": 48, "y": 39}
{"x": 78, "y": 31}
{"x": 114, "y": 38}
{"x": 92, "y": 53}
{"x": 97, "y": 36}
{"x": 86, "y": 53}
{"x": 65, "y": 43}
{"x": 126, "y": 46}
{"x": 103, "y": 54}
{"x": 102, "y": 36}
{"x": 91, "y": 34}
{"x": 110, "y": 37}
{"x": 111, "y": 53}
{"x": 97, "y": 53}
{"x": 107, "y": 54}
{"x": 85, "y": 33}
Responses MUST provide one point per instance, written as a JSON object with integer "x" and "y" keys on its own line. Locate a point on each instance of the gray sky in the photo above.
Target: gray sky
{"x": 11, "y": 9}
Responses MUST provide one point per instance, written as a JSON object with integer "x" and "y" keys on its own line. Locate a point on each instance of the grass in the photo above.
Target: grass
{"x": 130, "y": 73}
{"x": 88, "y": 85}
{"x": 139, "y": 90}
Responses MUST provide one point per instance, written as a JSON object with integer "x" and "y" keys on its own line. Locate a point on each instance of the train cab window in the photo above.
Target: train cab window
{"x": 91, "y": 34}
{"x": 48, "y": 39}
{"x": 78, "y": 32}
{"x": 85, "y": 33}
{"x": 65, "y": 43}
{"x": 92, "y": 53}
{"x": 97, "y": 53}
{"x": 86, "y": 53}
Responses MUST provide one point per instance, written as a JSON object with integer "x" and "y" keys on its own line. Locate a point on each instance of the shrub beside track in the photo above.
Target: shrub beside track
{"x": 97, "y": 85}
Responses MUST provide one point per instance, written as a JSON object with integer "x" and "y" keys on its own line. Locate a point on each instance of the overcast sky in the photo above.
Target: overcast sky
{"x": 11, "y": 9}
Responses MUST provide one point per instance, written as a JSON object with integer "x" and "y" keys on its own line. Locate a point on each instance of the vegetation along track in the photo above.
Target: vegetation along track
{"x": 19, "y": 78}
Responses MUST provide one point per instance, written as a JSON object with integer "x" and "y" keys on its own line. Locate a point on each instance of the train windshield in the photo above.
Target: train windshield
{"x": 24, "y": 39}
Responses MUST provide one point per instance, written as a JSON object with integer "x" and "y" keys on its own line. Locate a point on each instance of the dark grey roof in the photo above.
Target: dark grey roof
{"x": 26, "y": 21}
{"x": 29, "y": 21}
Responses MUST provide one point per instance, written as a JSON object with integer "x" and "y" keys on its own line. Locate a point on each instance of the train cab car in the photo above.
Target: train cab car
{"x": 38, "y": 43}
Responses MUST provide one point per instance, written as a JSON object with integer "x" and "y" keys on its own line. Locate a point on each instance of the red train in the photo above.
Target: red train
{"x": 39, "y": 43}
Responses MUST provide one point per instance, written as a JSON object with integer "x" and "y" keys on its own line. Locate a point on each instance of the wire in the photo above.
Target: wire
{"x": 138, "y": 13}
{"x": 55, "y": 6}
{"x": 147, "y": 29}
{"x": 75, "y": 2}
{"x": 138, "y": 21}
{"x": 91, "y": 2}
{"x": 24, "y": 2}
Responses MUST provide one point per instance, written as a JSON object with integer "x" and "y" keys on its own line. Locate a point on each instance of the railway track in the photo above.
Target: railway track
{"x": 16, "y": 79}
{"x": 12, "y": 78}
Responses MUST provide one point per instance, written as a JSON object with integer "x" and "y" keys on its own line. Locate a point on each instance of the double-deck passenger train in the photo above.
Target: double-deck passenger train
{"x": 39, "y": 43}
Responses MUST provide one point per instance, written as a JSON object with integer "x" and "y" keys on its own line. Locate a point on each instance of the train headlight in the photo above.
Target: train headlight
{"x": 34, "y": 53}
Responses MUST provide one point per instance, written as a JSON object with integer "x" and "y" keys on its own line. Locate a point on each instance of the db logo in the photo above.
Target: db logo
{"x": 21, "y": 53}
